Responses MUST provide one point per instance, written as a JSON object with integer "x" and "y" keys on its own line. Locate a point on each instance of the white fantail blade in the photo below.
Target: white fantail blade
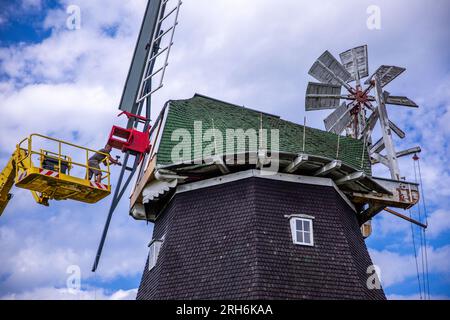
{"x": 328, "y": 70}
{"x": 339, "y": 119}
{"x": 386, "y": 74}
{"x": 374, "y": 117}
{"x": 356, "y": 62}
{"x": 399, "y": 132}
{"x": 371, "y": 122}
{"x": 401, "y": 101}
{"x": 330, "y": 99}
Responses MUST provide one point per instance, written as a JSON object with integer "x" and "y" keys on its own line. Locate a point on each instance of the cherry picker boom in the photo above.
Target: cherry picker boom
{"x": 41, "y": 165}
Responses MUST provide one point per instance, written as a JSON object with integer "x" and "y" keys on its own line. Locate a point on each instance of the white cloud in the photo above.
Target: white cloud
{"x": 124, "y": 295}
{"x": 48, "y": 293}
{"x": 37, "y": 250}
{"x": 397, "y": 268}
{"x": 416, "y": 297}
{"x": 439, "y": 222}
{"x": 386, "y": 225}
{"x": 31, "y": 4}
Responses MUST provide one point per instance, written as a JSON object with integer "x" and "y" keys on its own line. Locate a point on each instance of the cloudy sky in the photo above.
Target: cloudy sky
{"x": 67, "y": 83}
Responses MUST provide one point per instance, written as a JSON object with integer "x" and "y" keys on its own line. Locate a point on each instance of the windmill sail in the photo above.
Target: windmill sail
{"x": 141, "y": 54}
{"x": 329, "y": 101}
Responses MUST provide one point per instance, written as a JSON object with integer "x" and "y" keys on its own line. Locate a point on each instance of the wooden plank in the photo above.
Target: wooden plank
{"x": 148, "y": 176}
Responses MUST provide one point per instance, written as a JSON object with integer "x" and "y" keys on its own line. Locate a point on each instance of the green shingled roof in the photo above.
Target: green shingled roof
{"x": 183, "y": 113}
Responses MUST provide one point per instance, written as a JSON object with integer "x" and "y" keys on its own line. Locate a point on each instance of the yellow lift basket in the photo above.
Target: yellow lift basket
{"x": 50, "y": 175}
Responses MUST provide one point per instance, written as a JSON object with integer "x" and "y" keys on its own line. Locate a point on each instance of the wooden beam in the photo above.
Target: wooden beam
{"x": 370, "y": 125}
{"x": 355, "y": 176}
{"x": 378, "y": 158}
{"x": 408, "y": 152}
{"x": 377, "y": 146}
{"x": 386, "y": 127}
{"x": 148, "y": 176}
{"x": 395, "y": 213}
{"x": 297, "y": 163}
{"x": 400, "y": 154}
{"x": 328, "y": 168}
{"x": 370, "y": 212}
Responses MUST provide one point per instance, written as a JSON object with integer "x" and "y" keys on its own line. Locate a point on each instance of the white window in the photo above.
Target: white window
{"x": 155, "y": 246}
{"x": 302, "y": 230}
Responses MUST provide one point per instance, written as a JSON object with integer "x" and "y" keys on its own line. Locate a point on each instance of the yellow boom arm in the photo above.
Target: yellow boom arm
{"x": 7, "y": 177}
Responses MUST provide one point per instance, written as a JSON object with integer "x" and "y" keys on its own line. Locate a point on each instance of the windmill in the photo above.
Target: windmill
{"x": 359, "y": 111}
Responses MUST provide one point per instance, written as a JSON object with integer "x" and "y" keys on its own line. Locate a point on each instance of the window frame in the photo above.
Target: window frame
{"x": 295, "y": 231}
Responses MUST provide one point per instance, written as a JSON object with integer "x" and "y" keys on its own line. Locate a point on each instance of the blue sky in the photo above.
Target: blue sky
{"x": 256, "y": 53}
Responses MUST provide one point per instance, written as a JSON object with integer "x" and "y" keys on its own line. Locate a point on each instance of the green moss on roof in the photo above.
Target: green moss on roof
{"x": 183, "y": 113}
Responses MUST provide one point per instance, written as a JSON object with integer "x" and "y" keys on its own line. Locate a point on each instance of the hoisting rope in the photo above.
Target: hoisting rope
{"x": 304, "y": 135}
{"x": 338, "y": 146}
{"x": 415, "y": 256}
{"x": 95, "y": 286}
{"x": 423, "y": 238}
{"x": 426, "y": 222}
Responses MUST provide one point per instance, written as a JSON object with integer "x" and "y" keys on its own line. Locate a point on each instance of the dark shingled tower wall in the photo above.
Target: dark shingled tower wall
{"x": 233, "y": 241}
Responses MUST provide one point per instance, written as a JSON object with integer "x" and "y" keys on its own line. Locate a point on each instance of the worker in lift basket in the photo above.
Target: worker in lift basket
{"x": 96, "y": 159}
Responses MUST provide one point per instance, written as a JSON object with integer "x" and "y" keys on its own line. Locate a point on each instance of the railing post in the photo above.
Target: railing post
{"x": 17, "y": 160}
{"x": 30, "y": 151}
{"x": 59, "y": 157}
{"x": 87, "y": 165}
{"x": 109, "y": 172}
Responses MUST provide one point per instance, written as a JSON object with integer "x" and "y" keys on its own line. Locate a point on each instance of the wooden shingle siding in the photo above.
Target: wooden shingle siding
{"x": 233, "y": 241}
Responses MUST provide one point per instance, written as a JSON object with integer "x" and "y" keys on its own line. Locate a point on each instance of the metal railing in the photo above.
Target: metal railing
{"x": 26, "y": 161}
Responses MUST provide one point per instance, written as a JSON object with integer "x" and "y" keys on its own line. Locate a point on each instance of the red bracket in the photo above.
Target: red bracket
{"x": 131, "y": 140}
